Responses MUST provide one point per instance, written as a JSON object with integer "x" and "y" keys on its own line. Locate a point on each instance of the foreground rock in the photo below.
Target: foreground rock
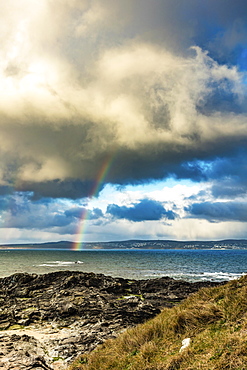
{"x": 47, "y": 320}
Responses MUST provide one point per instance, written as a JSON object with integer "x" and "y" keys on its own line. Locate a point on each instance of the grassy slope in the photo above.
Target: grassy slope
{"x": 214, "y": 318}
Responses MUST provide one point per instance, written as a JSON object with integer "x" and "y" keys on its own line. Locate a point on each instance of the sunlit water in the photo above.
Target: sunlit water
{"x": 190, "y": 265}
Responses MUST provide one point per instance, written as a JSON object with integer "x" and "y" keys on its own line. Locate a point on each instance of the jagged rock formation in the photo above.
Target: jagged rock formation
{"x": 47, "y": 320}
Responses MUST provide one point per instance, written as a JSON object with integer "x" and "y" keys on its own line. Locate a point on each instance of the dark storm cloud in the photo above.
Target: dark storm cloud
{"x": 72, "y": 189}
{"x": 145, "y": 210}
{"x": 219, "y": 211}
{"x": 118, "y": 83}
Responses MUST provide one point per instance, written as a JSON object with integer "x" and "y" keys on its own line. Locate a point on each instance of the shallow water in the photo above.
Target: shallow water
{"x": 190, "y": 265}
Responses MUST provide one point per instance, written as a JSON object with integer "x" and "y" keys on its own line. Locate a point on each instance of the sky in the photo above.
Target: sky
{"x": 123, "y": 119}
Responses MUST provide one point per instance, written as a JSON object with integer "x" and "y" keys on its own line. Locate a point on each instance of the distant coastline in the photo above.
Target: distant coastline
{"x": 135, "y": 244}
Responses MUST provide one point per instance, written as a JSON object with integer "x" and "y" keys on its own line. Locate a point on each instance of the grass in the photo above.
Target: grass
{"x": 214, "y": 318}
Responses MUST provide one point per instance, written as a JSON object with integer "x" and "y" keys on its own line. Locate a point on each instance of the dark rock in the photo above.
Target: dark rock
{"x": 75, "y": 312}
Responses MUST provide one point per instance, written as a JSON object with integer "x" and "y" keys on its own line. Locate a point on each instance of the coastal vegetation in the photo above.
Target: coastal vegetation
{"x": 215, "y": 320}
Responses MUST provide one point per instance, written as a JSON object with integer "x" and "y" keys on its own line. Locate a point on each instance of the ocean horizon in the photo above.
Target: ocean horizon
{"x": 189, "y": 265}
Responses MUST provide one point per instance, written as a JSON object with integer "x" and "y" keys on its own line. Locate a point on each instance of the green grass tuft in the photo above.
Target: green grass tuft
{"x": 214, "y": 318}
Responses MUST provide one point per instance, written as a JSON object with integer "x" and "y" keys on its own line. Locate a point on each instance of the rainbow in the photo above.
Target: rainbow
{"x": 106, "y": 165}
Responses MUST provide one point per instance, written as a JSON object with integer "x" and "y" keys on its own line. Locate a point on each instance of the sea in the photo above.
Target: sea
{"x": 189, "y": 265}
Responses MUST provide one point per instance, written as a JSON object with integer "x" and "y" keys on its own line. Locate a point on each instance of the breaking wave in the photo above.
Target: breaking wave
{"x": 60, "y": 263}
{"x": 202, "y": 276}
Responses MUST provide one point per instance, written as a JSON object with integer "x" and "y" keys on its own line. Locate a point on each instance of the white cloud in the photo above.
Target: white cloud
{"x": 134, "y": 97}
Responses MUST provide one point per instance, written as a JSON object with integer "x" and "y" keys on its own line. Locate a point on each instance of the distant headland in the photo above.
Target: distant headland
{"x": 135, "y": 244}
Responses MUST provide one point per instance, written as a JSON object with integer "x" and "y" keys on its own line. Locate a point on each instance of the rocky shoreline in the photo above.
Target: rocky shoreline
{"x": 47, "y": 320}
